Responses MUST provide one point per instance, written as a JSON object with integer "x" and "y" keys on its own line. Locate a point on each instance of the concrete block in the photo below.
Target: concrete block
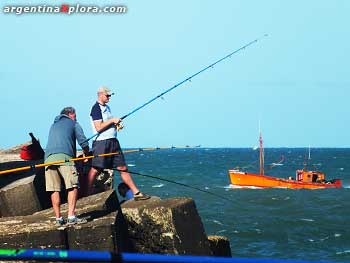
{"x": 24, "y": 196}
{"x": 30, "y": 232}
{"x": 170, "y": 226}
{"x": 38, "y": 230}
{"x": 220, "y": 246}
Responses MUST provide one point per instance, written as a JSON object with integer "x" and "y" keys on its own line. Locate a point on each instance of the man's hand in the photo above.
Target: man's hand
{"x": 86, "y": 152}
{"x": 116, "y": 120}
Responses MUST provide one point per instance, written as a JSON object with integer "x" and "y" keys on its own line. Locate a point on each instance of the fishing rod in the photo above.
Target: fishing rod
{"x": 174, "y": 182}
{"x": 185, "y": 80}
{"x": 28, "y": 167}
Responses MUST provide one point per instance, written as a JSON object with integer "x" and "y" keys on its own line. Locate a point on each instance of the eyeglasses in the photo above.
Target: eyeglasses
{"x": 108, "y": 96}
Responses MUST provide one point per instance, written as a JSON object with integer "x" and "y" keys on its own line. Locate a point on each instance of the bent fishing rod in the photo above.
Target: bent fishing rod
{"x": 185, "y": 80}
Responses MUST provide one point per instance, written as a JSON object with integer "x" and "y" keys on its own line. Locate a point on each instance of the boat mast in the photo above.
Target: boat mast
{"x": 261, "y": 152}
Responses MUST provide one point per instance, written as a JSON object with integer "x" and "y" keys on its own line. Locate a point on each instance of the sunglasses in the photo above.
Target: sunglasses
{"x": 108, "y": 96}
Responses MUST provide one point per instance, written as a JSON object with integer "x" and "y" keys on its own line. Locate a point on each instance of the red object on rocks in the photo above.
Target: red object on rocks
{"x": 33, "y": 151}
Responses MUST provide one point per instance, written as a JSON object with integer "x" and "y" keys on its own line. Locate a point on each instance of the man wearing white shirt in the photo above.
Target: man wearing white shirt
{"x": 106, "y": 141}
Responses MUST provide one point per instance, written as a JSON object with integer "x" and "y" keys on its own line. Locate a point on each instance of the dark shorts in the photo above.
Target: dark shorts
{"x": 107, "y": 162}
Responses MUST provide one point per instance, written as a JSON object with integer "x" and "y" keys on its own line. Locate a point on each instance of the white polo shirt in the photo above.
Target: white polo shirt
{"x": 102, "y": 113}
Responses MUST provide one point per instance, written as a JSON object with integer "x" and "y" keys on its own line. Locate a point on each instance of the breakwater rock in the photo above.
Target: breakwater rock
{"x": 170, "y": 226}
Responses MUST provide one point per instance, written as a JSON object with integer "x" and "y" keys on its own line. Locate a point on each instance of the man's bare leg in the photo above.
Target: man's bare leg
{"x": 56, "y": 202}
{"x": 72, "y": 201}
{"x": 90, "y": 180}
{"x": 126, "y": 177}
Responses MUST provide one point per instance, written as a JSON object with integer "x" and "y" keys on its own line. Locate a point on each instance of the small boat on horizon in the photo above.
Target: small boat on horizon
{"x": 303, "y": 178}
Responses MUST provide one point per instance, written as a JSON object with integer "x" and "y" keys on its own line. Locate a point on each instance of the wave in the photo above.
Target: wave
{"x": 343, "y": 252}
{"x": 217, "y": 222}
{"x": 158, "y": 185}
{"x": 307, "y": 219}
{"x": 277, "y": 164}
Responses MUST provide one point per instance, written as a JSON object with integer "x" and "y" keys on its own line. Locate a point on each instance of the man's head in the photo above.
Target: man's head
{"x": 70, "y": 112}
{"x": 104, "y": 94}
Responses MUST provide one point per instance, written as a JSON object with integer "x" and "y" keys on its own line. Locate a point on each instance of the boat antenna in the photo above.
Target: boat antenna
{"x": 187, "y": 79}
{"x": 261, "y": 152}
{"x": 307, "y": 159}
{"x": 309, "y": 152}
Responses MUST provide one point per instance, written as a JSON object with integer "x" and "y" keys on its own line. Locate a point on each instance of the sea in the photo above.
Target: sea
{"x": 259, "y": 223}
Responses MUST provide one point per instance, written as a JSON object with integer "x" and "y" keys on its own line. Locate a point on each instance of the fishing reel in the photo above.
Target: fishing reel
{"x": 119, "y": 126}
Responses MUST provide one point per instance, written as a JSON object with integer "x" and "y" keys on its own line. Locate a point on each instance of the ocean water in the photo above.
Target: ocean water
{"x": 260, "y": 223}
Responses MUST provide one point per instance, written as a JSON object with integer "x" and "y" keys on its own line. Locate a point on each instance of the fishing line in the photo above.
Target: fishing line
{"x": 185, "y": 80}
{"x": 170, "y": 181}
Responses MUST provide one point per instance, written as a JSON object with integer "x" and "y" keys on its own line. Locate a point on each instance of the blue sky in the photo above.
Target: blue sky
{"x": 295, "y": 81}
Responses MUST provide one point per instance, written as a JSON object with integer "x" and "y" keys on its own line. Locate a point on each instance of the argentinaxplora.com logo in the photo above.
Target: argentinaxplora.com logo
{"x": 64, "y": 9}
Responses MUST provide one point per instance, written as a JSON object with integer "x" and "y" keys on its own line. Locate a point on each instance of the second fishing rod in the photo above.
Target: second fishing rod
{"x": 119, "y": 126}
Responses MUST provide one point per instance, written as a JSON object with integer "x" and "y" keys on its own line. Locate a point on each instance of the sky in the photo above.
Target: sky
{"x": 296, "y": 81}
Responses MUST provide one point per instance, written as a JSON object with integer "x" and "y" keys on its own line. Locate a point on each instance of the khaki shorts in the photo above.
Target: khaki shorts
{"x": 56, "y": 173}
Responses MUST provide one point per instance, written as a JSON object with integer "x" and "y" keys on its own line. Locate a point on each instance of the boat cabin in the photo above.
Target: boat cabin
{"x": 310, "y": 176}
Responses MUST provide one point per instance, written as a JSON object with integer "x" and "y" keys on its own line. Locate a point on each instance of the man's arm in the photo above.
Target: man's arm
{"x": 99, "y": 124}
{"x": 103, "y": 125}
{"x": 81, "y": 138}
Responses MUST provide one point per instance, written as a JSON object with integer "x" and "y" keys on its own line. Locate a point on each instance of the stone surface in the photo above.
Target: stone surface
{"x": 15, "y": 149}
{"x": 24, "y": 196}
{"x": 220, "y": 246}
{"x": 30, "y": 232}
{"x": 12, "y": 161}
{"x": 100, "y": 233}
{"x": 106, "y": 228}
{"x": 20, "y": 189}
{"x": 170, "y": 226}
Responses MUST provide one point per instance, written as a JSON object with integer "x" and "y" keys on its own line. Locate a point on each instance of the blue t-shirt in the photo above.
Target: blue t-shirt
{"x": 62, "y": 136}
{"x": 102, "y": 113}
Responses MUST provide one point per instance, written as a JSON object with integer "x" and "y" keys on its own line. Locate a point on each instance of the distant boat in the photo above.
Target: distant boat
{"x": 303, "y": 178}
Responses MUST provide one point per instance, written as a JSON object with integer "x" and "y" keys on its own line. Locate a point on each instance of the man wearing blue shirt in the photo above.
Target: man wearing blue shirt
{"x": 61, "y": 145}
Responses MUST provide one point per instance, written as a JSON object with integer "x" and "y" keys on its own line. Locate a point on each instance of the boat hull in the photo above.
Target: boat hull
{"x": 242, "y": 179}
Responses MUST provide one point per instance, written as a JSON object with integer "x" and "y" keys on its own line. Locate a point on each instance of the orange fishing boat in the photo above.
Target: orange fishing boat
{"x": 303, "y": 178}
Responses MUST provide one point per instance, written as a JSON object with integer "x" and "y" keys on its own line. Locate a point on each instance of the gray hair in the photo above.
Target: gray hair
{"x": 68, "y": 110}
